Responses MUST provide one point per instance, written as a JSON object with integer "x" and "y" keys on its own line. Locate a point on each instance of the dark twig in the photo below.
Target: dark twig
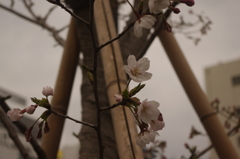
{"x": 12, "y": 3}
{"x": 12, "y": 133}
{"x": 63, "y": 28}
{"x": 117, "y": 37}
{"x": 38, "y": 22}
{"x": 29, "y": 8}
{"x": 70, "y": 118}
{"x": 69, "y": 11}
{"x": 111, "y": 107}
{"x": 211, "y": 146}
{"x": 48, "y": 13}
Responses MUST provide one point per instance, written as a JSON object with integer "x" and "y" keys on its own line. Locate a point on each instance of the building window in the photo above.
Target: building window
{"x": 236, "y": 80}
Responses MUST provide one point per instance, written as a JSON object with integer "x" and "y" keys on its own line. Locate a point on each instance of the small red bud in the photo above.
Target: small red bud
{"x": 175, "y": 10}
{"x": 46, "y": 127}
{"x": 28, "y": 134}
{"x": 39, "y": 135}
{"x": 189, "y": 3}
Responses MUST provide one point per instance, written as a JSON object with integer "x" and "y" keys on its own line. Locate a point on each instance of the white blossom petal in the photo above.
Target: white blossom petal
{"x": 143, "y": 64}
{"x": 147, "y": 21}
{"x": 143, "y": 77}
{"x": 146, "y": 137}
{"x": 47, "y": 91}
{"x": 137, "y": 69}
{"x": 14, "y": 114}
{"x": 132, "y": 61}
{"x": 137, "y": 29}
{"x": 148, "y": 111}
{"x": 156, "y": 6}
{"x": 157, "y": 125}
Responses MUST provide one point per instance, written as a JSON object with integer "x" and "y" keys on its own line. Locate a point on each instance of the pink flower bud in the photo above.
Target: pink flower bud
{"x": 47, "y": 91}
{"x": 28, "y": 134}
{"x": 39, "y": 134}
{"x": 175, "y": 10}
{"x": 31, "y": 109}
{"x": 46, "y": 128}
{"x": 15, "y": 114}
{"x": 118, "y": 97}
{"x": 189, "y": 3}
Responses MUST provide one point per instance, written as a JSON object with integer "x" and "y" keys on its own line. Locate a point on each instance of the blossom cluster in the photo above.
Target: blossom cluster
{"x": 147, "y": 114}
{"x": 155, "y": 7}
{"x": 16, "y": 114}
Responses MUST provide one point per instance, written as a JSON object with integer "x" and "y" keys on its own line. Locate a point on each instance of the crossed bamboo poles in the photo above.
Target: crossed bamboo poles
{"x": 197, "y": 97}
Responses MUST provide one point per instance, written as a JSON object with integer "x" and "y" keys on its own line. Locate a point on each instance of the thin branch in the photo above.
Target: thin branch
{"x": 111, "y": 107}
{"x": 18, "y": 14}
{"x": 48, "y": 13}
{"x": 70, "y": 118}
{"x": 211, "y": 146}
{"x": 29, "y": 8}
{"x": 12, "y": 3}
{"x": 12, "y": 133}
{"x": 63, "y": 28}
{"x": 69, "y": 11}
{"x": 117, "y": 37}
{"x": 38, "y": 22}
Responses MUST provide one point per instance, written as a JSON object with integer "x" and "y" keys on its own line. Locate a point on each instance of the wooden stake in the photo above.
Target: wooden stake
{"x": 62, "y": 92}
{"x": 106, "y": 31}
{"x": 197, "y": 97}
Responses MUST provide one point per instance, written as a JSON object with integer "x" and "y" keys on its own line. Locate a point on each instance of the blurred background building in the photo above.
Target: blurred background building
{"x": 223, "y": 82}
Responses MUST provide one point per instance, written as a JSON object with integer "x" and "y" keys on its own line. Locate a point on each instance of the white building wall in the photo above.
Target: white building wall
{"x": 222, "y": 83}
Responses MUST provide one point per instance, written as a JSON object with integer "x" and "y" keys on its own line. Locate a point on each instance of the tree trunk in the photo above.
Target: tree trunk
{"x": 129, "y": 45}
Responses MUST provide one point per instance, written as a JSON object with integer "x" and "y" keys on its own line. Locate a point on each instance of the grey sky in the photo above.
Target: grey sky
{"x": 29, "y": 61}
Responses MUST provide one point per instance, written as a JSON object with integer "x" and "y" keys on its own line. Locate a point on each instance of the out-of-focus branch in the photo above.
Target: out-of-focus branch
{"x": 211, "y": 146}
{"x": 49, "y": 12}
{"x": 29, "y": 5}
{"x": 12, "y": 133}
{"x": 39, "y": 151}
{"x": 38, "y": 21}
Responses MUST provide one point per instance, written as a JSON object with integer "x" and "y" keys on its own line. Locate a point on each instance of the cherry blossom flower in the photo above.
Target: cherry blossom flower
{"x": 31, "y": 109}
{"x": 137, "y": 69}
{"x": 148, "y": 111}
{"x": 146, "y": 137}
{"x": 118, "y": 97}
{"x": 16, "y": 114}
{"x": 146, "y": 21}
{"x": 47, "y": 91}
{"x": 156, "y": 6}
{"x": 157, "y": 124}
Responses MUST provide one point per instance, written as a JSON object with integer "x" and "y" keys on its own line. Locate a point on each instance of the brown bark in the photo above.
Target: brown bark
{"x": 87, "y": 136}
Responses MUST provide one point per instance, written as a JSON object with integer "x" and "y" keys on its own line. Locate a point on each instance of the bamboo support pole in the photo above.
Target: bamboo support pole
{"x": 62, "y": 92}
{"x": 106, "y": 31}
{"x": 197, "y": 97}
